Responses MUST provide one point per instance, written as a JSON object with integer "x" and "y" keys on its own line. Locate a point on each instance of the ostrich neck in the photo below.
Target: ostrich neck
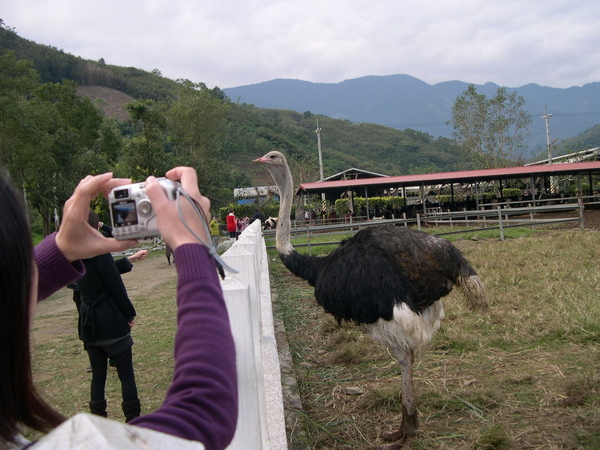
{"x": 283, "y": 180}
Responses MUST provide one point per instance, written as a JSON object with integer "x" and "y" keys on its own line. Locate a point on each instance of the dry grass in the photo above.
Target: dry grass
{"x": 526, "y": 375}
{"x": 59, "y": 361}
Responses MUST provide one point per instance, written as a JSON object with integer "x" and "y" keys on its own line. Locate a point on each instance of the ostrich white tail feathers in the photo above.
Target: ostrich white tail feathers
{"x": 474, "y": 291}
{"x": 408, "y": 330}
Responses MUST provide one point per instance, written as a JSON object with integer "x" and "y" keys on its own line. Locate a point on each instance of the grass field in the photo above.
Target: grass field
{"x": 525, "y": 375}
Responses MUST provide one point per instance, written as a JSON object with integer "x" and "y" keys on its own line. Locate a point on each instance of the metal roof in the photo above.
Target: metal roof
{"x": 467, "y": 176}
{"x": 353, "y": 174}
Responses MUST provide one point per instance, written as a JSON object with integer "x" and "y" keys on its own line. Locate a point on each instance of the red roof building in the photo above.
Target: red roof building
{"x": 378, "y": 186}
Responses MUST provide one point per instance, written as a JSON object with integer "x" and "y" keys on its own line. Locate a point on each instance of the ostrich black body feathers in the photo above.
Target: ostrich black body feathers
{"x": 378, "y": 268}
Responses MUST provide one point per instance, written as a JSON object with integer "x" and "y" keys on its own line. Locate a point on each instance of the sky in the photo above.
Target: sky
{"x": 230, "y": 43}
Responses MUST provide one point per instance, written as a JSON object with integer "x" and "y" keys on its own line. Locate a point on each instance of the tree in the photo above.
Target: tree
{"x": 70, "y": 126}
{"x": 148, "y": 151}
{"x": 17, "y": 80}
{"x": 48, "y": 135}
{"x": 194, "y": 121}
{"x": 491, "y": 132}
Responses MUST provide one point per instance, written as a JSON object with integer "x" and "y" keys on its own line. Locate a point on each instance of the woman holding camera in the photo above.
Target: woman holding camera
{"x": 201, "y": 402}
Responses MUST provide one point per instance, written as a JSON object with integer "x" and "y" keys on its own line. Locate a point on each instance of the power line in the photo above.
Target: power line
{"x": 417, "y": 124}
{"x": 436, "y": 124}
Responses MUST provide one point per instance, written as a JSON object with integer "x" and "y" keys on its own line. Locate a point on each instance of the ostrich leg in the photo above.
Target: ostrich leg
{"x": 410, "y": 422}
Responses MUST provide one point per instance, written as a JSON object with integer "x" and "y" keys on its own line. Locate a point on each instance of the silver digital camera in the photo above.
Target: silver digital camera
{"x": 131, "y": 212}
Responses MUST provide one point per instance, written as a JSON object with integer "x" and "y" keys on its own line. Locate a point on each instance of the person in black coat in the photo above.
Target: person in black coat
{"x": 106, "y": 317}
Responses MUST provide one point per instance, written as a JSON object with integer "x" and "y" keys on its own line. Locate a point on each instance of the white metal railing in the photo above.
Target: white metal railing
{"x": 261, "y": 420}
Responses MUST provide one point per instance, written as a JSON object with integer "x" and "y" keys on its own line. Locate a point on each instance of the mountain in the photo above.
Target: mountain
{"x": 248, "y": 131}
{"x": 402, "y": 101}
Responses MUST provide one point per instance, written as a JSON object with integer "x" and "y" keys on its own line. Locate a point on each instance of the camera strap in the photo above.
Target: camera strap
{"x": 203, "y": 219}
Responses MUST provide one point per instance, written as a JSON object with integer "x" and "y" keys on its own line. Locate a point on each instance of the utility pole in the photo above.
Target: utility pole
{"x": 318, "y": 131}
{"x": 546, "y": 116}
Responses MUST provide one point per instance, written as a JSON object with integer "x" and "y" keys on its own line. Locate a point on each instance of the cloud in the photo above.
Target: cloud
{"x": 238, "y": 42}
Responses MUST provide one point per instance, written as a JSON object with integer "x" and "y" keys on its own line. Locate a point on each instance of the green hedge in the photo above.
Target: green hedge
{"x": 268, "y": 208}
{"x": 342, "y": 207}
{"x": 484, "y": 197}
{"x": 511, "y": 192}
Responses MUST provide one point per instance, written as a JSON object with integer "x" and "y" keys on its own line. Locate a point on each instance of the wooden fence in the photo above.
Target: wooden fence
{"x": 494, "y": 216}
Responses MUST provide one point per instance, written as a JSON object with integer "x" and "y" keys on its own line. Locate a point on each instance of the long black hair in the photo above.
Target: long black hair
{"x": 20, "y": 404}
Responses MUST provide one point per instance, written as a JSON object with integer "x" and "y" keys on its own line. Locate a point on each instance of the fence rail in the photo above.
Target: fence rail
{"x": 501, "y": 217}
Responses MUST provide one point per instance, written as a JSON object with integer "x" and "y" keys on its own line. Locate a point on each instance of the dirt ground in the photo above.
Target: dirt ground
{"x": 110, "y": 101}
{"x": 141, "y": 281}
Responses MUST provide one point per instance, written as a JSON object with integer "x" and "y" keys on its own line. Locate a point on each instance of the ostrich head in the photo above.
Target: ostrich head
{"x": 274, "y": 158}
{"x": 278, "y": 167}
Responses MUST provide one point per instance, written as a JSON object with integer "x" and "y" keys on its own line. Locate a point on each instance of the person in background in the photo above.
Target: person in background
{"x": 243, "y": 224}
{"x": 214, "y": 232}
{"x": 201, "y": 402}
{"x": 169, "y": 254}
{"x": 124, "y": 265}
{"x": 258, "y": 216}
{"x": 232, "y": 224}
{"x": 106, "y": 317}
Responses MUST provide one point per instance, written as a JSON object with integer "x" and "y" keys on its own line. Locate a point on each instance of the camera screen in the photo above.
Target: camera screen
{"x": 124, "y": 213}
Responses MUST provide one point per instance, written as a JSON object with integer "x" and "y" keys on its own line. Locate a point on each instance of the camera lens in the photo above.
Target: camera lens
{"x": 144, "y": 207}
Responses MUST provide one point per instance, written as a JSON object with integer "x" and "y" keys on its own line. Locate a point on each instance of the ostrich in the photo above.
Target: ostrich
{"x": 387, "y": 279}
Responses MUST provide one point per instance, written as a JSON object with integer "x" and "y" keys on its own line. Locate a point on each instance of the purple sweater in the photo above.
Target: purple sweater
{"x": 201, "y": 403}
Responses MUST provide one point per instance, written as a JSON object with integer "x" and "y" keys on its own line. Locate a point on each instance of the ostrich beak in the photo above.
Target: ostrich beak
{"x": 260, "y": 160}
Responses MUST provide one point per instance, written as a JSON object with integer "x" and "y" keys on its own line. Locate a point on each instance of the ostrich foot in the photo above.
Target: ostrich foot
{"x": 394, "y": 446}
{"x": 393, "y": 435}
{"x": 405, "y": 432}
{"x": 398, "y": 438}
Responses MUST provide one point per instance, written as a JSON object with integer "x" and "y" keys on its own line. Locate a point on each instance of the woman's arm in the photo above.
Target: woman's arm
{"x": 76, "y": 239}
{"x": 201, "y": 403}
{"x": 55, "y": 271}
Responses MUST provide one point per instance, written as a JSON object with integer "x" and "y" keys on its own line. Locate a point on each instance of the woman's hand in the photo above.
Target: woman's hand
{"x": 172, "y": 230}
{"x": 76, "y": 239}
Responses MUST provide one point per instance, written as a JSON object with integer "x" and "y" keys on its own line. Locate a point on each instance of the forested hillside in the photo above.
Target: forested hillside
{"x": 66, "y": 117}
{"x": 588, "y": 139}
{"x": 54, "y": 65}
{"x": 249, "y": 130}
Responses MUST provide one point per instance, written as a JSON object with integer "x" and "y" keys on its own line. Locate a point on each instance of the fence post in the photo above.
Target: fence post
{"x": 531, "y": 217}
{"x": 581, "y": 215}
{"x": 249, "y": 430}
{"x": 500, "y": 224}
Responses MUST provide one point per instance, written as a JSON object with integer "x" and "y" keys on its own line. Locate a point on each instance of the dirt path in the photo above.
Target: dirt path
{"x": 57, "y": 315}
